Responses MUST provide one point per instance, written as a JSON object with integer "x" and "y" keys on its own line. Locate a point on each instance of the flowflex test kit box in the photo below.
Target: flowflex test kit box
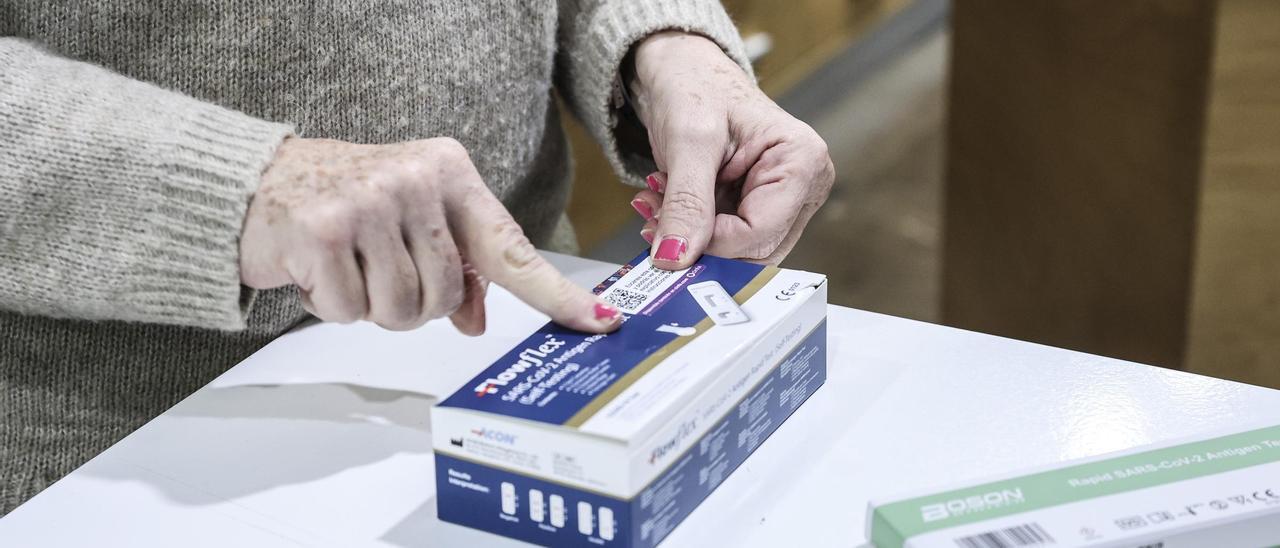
{"x": 1221, "y": 490}
{"x": 572, "y": 439}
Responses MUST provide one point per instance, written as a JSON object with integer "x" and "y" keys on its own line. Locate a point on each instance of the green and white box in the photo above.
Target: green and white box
{"x": 1219, "y": 490}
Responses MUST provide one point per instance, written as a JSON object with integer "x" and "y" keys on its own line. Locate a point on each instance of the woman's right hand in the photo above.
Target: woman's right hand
{"x": 398, "y": 235}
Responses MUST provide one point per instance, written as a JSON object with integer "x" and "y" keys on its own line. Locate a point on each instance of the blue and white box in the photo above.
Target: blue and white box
{"x": 572, "y": 439}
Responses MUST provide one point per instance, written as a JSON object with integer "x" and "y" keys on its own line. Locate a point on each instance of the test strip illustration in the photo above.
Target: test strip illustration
{"x": 585, "y": 521}
{"x": 537, "y": 508}
{"x": 508, "y": 498}
{"x": 557, "y": 511}
{"x": 717, "y": 303}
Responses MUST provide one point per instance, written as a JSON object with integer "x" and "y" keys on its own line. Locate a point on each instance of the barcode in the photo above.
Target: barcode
{"x": 1027, "y": 534}
{"x": 626, "y": 300}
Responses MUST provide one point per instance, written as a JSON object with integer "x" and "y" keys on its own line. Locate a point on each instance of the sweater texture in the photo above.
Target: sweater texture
{"x": 133, "y": 134}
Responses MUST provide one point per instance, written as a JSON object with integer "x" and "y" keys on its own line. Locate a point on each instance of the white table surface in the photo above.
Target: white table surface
{"x": 322, "y": 439}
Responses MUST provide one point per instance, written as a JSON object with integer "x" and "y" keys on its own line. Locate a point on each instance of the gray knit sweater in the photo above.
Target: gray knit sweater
{"x": 133, "y": 134}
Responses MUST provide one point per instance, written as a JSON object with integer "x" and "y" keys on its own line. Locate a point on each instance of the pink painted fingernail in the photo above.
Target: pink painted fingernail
{"x": 647, "y": 234}
{"x": 605, "y": 312}
{"x": 642, "y": 207}
{"x": 671, "y": 248}
{"x": 654, "y": 183}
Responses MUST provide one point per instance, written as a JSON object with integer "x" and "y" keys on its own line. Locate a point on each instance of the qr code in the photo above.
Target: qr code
{"x": 626, "y": 300}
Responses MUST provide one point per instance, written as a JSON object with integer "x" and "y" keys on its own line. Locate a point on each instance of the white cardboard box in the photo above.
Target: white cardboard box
{"x": 573, "y": 439}
{"x": 1219, "y": 490}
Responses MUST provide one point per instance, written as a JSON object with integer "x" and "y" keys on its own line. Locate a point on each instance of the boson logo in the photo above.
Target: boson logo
{"x": 971, "y": 504}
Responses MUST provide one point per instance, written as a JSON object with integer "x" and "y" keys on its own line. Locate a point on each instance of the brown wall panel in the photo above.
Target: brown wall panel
{"x": 1235, "y": 312}
{"x": 1075, "y": 138}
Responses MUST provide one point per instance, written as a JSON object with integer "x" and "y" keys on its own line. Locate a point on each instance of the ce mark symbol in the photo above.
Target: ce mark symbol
{"x": 788, "y": 293}
{"x": 1270, "y": 495}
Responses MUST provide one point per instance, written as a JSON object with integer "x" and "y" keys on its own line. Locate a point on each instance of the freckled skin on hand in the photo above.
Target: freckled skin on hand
{"x": 701, "y": 109}
{"x": 368, "y": 232}
{"x": 326, "y": 168}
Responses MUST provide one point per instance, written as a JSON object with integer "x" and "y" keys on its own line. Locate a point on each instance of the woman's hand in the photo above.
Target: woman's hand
{"x": 738, "y": 176}
{"x": 398, "y": 235}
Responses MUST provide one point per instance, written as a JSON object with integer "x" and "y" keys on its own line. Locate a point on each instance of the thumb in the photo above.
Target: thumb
{"x": 688, "y": 211}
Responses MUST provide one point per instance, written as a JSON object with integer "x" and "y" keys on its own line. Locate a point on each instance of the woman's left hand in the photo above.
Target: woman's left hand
{"x": 738, "y": 176}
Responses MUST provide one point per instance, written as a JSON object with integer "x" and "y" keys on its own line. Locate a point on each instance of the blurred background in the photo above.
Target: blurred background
{"x": 1098, "y": 175}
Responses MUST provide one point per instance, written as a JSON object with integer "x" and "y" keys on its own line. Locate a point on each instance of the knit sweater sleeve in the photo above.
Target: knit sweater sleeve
{"x": 594, "y": 38}
{"x": 120, "y": 200}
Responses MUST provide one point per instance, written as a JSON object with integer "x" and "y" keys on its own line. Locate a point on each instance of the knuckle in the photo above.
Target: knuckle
{"x": 398, "y": 322}
{"x": 563, "y": 295}
{"x": 774, "y": 242}
{"x": 821, "y": 157}
{"x": 826, "y": 180}
{"x": 685, "y": 206}
{"x": 410, "y": 324}
{"x": 404, "y": 312}
{"x": 431, "y": 307}
{"x": 345, "y": 312}
{"x": 518, "y": 255}
{"x": 446, "y": 292}
{"x": 820, "y": 148}
{"x": 760, "y": 250}
{"x": 332, "y": 228}
{"x": 409, "y": 174}
{"x": 475, "y": 196}
{"x": 356, "y": 304}
{"x": 377, "y": 205}
{"x": 448, "y": 150}
{"x": 699, "y": 129}
{"x": 799, "y": 130}
{"x": 455, "y": 294}
{"x": 445, "y": 304}
{"x": 808, "y": 139}
{"x": 449, "y": 302}
{"x": 418, "y": 190}
{"x": 521, "y": 259}
{"x": 763, "y": 245}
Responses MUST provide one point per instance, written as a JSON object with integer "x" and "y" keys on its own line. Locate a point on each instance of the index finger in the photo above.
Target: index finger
{"x": 499, "y": 250}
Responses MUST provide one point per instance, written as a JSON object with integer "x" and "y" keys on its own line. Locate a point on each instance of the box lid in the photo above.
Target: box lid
{"x": 561, "y": 377}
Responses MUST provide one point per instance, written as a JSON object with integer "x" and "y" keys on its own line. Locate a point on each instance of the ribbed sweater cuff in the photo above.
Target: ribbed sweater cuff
{"x": 613, "y": 28}
{"x": 207, "y": 174}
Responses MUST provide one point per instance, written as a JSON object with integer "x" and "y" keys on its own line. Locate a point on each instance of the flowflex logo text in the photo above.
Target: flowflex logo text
{"x": 528, "y": 358}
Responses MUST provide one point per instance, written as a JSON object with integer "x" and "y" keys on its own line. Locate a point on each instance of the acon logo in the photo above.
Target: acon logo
{"x": 494, "y": 436}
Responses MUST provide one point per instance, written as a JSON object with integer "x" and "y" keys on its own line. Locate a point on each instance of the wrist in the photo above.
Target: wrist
{"x": 660, "y": 56}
